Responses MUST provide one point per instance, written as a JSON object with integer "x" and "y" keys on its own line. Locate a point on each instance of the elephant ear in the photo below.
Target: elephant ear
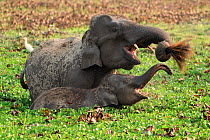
{"x": 101, "y": 29}
{"x": 91, "y": 53}
{"x": 108, "y": 99}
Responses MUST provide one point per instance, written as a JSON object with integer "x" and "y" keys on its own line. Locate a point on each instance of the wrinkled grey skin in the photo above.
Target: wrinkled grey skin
{"x": 114, "y": 90}
{"x": 107, "y": 45}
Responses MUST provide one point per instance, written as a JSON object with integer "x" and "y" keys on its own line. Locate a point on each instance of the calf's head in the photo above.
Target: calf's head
{"x": 124, "y": 89}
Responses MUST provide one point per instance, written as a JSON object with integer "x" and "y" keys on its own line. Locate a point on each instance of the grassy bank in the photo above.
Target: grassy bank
{"x": 175, "y": 108}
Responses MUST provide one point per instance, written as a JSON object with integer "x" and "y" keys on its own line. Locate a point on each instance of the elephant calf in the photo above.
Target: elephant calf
{"x": 116, "y": 89}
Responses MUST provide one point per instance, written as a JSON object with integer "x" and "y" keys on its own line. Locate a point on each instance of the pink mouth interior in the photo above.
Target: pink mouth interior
{"x": 131, "y": 50}
{"x": 137, "y": 90}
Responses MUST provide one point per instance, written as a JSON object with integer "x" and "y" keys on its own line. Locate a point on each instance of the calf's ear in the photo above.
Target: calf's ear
{"x": 107, "y": 99}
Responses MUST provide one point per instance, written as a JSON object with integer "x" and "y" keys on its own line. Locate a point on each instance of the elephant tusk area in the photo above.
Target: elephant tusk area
{"x": 136, "y": 46}
{"x": 151, "y": 49}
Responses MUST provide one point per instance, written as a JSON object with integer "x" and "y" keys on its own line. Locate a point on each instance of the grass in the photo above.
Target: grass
{"x": 175, "y": 108}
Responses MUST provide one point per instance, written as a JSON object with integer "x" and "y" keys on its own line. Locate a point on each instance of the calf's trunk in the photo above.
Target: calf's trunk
{"x": 141, "y": 81}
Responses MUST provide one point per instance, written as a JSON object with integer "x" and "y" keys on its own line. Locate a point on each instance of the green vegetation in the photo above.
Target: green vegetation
{"x": 178, "y": 106}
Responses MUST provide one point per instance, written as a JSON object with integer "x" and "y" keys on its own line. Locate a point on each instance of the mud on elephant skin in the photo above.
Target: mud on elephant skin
{"x": 114, "y": 90}
{"x": 107, "y": 45}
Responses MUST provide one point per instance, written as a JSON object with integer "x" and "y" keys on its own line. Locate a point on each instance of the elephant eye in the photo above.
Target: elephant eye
{"x": 114, "y": 29}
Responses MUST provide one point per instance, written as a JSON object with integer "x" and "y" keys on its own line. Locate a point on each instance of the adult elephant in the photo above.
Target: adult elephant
{"x": 107, "y": 45}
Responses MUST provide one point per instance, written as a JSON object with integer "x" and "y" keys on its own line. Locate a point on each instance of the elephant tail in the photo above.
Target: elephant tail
{"x": 22, "y": 82}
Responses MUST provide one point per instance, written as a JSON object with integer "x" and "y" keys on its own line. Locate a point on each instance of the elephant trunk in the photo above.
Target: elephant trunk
{"x": 140, "y": 81}
{"x": 143, "y": 36}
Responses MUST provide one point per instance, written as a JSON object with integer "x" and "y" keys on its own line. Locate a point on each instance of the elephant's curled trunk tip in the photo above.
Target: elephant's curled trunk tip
{"x": 180, "y": 51}
{"x": 165, "y": 68}
{"x": 141, "y": 81}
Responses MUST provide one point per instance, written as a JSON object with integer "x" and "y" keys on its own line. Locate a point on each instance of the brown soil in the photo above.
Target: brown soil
{"x": 28, "y": 15}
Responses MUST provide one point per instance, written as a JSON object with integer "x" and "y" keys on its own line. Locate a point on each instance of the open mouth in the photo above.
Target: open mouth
{"x": 138, "y": 92}
{"x": 131, "y": 50}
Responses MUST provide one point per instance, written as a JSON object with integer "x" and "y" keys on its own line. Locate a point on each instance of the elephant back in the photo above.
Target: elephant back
{"x": 49, "y": 60}
{"x": 63, "y": 97}
{"x": 57, "y": 50}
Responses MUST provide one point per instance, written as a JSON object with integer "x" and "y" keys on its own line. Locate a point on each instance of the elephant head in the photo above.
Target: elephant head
{"x": 126, "y": 88}
{"x": 110, "y": 42}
